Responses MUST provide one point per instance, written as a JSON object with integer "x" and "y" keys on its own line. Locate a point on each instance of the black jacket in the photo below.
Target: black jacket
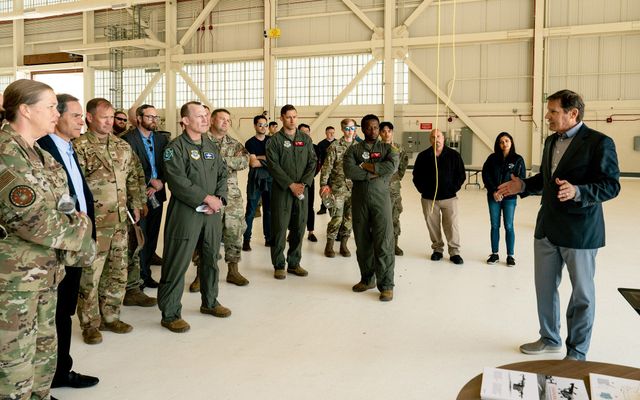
{"x": 451, "y": 174}
{"x": 497, "y": 170}
{"x": 591, "y": 163}
{"x": 160, "y": 141}
{"x": 47, "y": 144}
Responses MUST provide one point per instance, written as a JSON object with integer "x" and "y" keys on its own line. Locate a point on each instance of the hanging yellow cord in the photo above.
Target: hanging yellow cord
{"x": 453, "y": 50}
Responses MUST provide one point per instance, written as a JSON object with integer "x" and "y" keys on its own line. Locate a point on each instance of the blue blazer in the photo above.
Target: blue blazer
{"x": 46, "y": 143}
{"x": 591, "y": 163}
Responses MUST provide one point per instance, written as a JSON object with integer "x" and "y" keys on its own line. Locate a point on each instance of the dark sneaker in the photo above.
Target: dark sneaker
{"x": 246, "y": 246}
{"x": 312, "y": 237}
{"x": 539, "y": 347}
{"x": 298, "y": 271}
{"x": 436, "y": 256}
{"x": 511, "y": 261}
{"x": 493, "y": 258}
{"x": 457, "y": 260}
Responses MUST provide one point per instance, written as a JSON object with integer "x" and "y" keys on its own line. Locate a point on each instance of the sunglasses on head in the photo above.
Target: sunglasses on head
{"x": 121, "y": 119}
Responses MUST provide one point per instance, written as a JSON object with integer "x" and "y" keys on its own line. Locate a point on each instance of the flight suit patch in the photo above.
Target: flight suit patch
{"x": 195, "y": 154}
{"x": 375, "y": 155}
{"x": 365, "y": 155}
{"x": 298, "y": 143}
{"x": 209, "y": 156}
{"x": 168, "y": 154}
{"x": 22, "y": 196}
{"x": 287, "y": 144}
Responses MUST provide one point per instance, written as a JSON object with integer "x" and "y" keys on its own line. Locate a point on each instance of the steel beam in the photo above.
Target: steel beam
{"x": 358, "y": 12}
{"x": 199, "y": 20}
{"x": 389, "y": 75}
{"x": 417, "y": 12}
{"x": 537, "y": 88}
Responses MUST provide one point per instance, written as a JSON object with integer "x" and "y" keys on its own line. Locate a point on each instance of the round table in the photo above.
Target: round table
{"x": 562, "y": 368}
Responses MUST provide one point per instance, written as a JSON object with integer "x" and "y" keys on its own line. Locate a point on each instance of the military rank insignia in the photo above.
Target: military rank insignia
{"x": 287, "y": 144}
{"x": 195, "y": 154}
{"x": 209, "y": 156}
{"x": 22, "y": 196}
{"x": 168, "y": 154}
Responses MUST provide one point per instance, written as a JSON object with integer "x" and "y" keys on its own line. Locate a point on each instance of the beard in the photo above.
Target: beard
{"x": 150, "y": 126}
{"x": 117, "y": 129}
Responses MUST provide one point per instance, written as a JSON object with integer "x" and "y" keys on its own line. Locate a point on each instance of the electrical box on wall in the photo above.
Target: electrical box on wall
{"x": 417, "y": 141}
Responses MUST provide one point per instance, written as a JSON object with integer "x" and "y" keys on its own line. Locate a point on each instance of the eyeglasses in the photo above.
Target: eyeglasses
{"x": 350, "y": 128}
{"x": 121, "y": 119}
{"x": 151, "y": 117}
{"x": 262, "y": 125}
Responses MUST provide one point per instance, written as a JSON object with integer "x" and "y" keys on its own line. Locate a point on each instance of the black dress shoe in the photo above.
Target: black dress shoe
{"x": 155, "y": 260}
{"x": 436, "y": 256}
{"x": 150, "y": 283}
{"x": 75, "y": 380}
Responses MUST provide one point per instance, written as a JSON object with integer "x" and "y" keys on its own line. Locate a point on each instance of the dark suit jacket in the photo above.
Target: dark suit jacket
{"x": 48, "y": 145}
{"x": 160, "y": 141}
{"x": 591, "y": 163}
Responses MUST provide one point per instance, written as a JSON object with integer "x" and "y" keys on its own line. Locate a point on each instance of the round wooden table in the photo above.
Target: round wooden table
{"x": 562, "y": 368}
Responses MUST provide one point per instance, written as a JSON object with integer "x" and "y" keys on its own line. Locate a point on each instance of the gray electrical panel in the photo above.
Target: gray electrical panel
{"x": 415, "y": 142}
{"x": 636, "y": 143}
{"x": 466, "y": 145}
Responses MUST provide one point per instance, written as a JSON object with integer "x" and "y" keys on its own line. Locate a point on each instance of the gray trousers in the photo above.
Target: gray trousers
{"x": 581, "y": 264}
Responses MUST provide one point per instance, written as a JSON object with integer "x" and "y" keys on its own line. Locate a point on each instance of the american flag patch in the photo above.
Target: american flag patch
{"x": 6, "y": 178}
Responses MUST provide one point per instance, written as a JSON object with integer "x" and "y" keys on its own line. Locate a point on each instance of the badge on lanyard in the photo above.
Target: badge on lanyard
{"x": 209, "y": 156}
{"x": 365, "y": 155}
{"x": 287, "y": 144}
{"x": 195, "y": 154}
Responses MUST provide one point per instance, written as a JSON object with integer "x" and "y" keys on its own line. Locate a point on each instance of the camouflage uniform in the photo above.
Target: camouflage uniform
{"x": 35, "y": 239}
{"x": 133, "y": 247}
{"x": 234, "y": 225}
{"x": 332, "y": 174}
{"x": 394, "y": 189}
{"x": 110, "y": 170}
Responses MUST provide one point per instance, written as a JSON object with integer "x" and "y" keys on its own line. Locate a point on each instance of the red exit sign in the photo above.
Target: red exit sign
{"x": 425, "y": 126}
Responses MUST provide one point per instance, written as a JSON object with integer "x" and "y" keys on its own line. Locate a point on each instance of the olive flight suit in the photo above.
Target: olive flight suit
{"x": 289, "y": 161}
{"x": 193, "y": 171}
{"x": 372, "y": 221}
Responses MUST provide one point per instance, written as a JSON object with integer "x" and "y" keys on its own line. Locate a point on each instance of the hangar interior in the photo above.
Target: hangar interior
{"x": 472, "y": 68}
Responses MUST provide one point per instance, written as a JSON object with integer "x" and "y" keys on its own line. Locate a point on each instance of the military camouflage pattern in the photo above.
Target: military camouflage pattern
{"x": 28, "y": 344}
{"x": 103, "y": 285}
{"x": 133, "y": 247}
{"x": 332, "y": 174}
{"x": 113, "y": 174}
{"x": 38, "y": 237}
{"x": 395, "y": 188}
{"x": 237, "y": 158}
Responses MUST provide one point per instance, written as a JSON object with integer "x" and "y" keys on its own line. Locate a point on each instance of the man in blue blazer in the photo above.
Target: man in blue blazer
{"x": 148, "y": 144}
{"x": 579, "y": 171}
{"x": 58, "y": 144}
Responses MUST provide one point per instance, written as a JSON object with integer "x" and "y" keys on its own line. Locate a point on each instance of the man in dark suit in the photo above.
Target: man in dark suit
{"x": 149, "y": 145}
{"x": 579, "y": 171}
{"x": 58, "y": 144}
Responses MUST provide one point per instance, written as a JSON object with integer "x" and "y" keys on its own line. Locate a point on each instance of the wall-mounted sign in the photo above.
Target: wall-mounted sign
{"x": 425, "y": 126}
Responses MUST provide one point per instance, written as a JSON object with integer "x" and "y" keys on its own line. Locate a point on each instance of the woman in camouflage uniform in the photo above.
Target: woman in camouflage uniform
{"x": 37, "y": 238}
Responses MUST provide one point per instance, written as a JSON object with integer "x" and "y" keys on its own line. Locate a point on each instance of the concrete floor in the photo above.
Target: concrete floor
{"x": 313, "y": 338}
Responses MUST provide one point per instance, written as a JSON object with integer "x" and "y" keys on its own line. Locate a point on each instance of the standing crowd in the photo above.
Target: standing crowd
{"x": 80, "y": 215}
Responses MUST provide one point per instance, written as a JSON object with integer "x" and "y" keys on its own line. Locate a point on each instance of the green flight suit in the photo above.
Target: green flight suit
{"x": 193, "y": 171}
{"x": 289, "y": 161}
{"x": 372, "y": 221}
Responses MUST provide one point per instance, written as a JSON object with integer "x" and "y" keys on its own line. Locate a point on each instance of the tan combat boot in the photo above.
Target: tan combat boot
{"x": 234, "y": 276}
{"x": 398, "y": 251}
{"x": 218, "y": 310}
{"x": 195, "y": 285}
{"x": 136, "y": 297}
{"x": 116, "y": 326}
{"x": 328, "y": 249}
{"x": 344, "y": 251}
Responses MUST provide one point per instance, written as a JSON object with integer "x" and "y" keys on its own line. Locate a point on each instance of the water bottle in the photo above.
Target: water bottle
{"x": 153, "y": 201}
{"x": 301, "y": 196}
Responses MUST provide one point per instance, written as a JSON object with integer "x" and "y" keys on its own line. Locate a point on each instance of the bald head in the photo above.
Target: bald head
{"x": 132, "y": 116}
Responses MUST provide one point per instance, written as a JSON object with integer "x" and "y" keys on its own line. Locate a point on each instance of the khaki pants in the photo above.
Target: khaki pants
{"x": 444, "y": 216}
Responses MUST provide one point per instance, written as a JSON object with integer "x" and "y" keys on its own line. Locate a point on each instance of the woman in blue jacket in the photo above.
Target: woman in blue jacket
{"x": 500, "y": 165}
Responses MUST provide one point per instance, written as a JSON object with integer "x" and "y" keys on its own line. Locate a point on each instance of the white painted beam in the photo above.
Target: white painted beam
{"x": 88, "y": 73}
{"x": 358, "y": 12}
{"x": 593, "y": 29}
{"x": 389, "y": 75}
{"x": 73, "y": 7}
{"x": 198, "y": 21}
{"x": 344, "y": 93}
{"x": 417, "y": 12}
{"x": 104, "y": 47}
{"x": 203, "y": 97}
{"x": 234, "y": 55}
{"x": 147, "y": 89}
{"x": 537, "y": 87}
{"x": 170, "y": 69}
{"x": 454, "y": 107}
